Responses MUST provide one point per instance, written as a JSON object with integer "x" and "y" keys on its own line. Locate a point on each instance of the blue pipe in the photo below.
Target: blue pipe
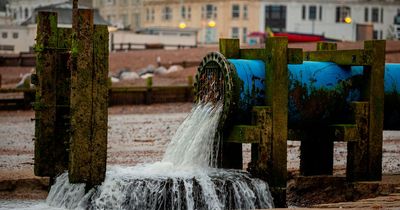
{"x": 319, "y": 92}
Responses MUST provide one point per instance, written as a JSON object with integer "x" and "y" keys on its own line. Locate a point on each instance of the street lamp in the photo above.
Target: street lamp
{"x": 182, "y": 25}
{"x": 348, "y": 20}
{"x": 211, "y": 23}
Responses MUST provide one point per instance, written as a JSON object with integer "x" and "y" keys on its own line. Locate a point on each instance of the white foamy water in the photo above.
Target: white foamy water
{"x": 184, "y": 179}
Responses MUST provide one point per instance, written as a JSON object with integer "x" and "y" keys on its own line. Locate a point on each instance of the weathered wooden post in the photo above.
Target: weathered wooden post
{"x": 364, "y": 160}
{"x": 89, "y": 93}
{"x": 231, "y": 152}
{"x": 52, "y": 97}
{"x": 277, "y": 83}
{"x": 71, "y": 98}
{"x": 45, "y": 105}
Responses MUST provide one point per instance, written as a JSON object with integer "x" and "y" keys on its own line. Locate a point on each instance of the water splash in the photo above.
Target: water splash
{"x": 184, "y": 179}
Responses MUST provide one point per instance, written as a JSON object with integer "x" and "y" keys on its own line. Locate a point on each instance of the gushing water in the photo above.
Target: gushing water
{"x": 184, "y": 179}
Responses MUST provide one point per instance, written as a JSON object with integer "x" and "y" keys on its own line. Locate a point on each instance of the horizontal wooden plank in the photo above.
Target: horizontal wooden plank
{"x": 344, "y": 132}
{"x": 253, "y": 54}
{"x": 294, "y": 55}
{"x": 244, "y": 134}
{"x": 341, "y": 57}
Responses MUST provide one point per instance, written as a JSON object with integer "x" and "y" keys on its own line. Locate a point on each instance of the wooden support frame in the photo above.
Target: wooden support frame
{"x": 269, "y": 156}
{"x": 364, "y": 161}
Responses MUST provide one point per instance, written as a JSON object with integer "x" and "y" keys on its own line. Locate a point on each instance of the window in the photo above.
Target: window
{"x": 244, "y": 35}
{"x": 189, "y": 12}
{"x": 147, "y": 14}
{"x": 15, "y": 35}
{"x": 235, "y": 11}
{"x": 366, "y": 11}
{"x": 320, "y": 12}
{"x": 235, "y": 32}
{"x": 245, "y": 12}
{"x": 26, "y": 13}
{"x": 136, "y": 17}
{"x": 341, "y": 13}
{"x": 209, "y": 12}
{"x": 124, "y": 18}
{"x": 303, "y": 12}
{"x": 375, "y": 34}
{"x": 375, "y": 15}
{"x": 183, "y": 12}
{"x": 312, "y": 13}
{"x": 4, "y": 35}
{"x": 7, "y": 47}
{"x": 381, "y": 16}
{"x": 152, "y": 14}
{"x": 381, "y": 34}
{"x": 167, "y": 13}
{"x": 275, "y": 17}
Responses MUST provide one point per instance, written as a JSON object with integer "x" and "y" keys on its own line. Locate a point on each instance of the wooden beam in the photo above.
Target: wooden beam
{"x": 375, "y": 91}
{"x": 45, "y": 105}
{"x": 277, "y": 97}
{"x": 63, "y": 93}
{"x": 357, "y": 152}
{"x": 253, "y": 54}
{"x": 100, "y": 105}
{"x": 340, "y": 57}
{"x": 230, "y": 48}
{"x": 244, "y": 134}
{"x": 81, "y": 98}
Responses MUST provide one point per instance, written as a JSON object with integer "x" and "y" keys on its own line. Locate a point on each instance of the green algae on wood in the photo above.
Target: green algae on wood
{"x": 45, "y": 94}
{"x": 81, "y": 98}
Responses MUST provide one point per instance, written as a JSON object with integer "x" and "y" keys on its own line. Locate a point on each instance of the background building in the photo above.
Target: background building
{"x": 124, "y": 14}
{"x": 20, "y": 10}
{"x": 329, "y": 17}
{"x": 18, "y": 34}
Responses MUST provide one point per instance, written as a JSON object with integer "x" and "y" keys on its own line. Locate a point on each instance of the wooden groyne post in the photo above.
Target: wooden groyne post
{"x": 71, "y": 98}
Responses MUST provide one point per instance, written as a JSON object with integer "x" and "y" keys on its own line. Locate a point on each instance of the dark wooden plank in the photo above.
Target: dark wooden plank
{"x": 100, "y": 105}
{"x": 81, "y": 97}
{"x": 277, "y": 97}
{"x": 45, "y": 106}
{"x": 261, "y": 154}
{"x": 231, "y": 153}
{"x": 230, "y": 48}
{"x": 341, "y": 57}
{"x": 357, "y": 152}
{"x": 244, "y": 134}
{"x": 253, "y": 54}
{"x": 375, "y": 91}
